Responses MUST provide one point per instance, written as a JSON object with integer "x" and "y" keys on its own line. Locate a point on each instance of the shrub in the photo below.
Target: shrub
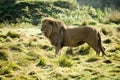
{"x": 42, "y": 61}
{"x": 64, "y": 4}
{"x": 13, "y": 34}
{"x": 5, "y": 70}
{"x": 65, "y": 61}
{"x": 3, "y": 55}
{"x": 84, "y": 50}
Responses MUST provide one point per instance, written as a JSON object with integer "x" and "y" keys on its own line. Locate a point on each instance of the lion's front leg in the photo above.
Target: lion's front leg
{"x": 57, "y": 50}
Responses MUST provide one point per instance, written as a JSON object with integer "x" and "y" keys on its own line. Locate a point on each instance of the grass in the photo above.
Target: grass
{"x": 26, "y": 54}
{"x": 32, "y": 62}
{"x": 5, "y": 70}
{"x": 92, "y": 59}
{"x": 3, "y": 55}
{"x": 114, "y": 17}
{"x": 65, "y": 61}
{"x": 13, "y": 34}
{"x": 42, "y": 61}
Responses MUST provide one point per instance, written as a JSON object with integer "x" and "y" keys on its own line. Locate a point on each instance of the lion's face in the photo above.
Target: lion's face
{"x": 54, "y": 30}
{"x": 46, "y": 28}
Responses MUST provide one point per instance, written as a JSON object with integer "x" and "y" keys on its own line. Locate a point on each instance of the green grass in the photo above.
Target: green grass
{"x": 37, "y": 59}
{"x": 13, "y": 34}
{"x": 68, "y": 11}
{"x": 3, "y": 55}
{"x": 42, "y": 61}
{"x": 65, "y": 61}
{"x": 26, "y": 55}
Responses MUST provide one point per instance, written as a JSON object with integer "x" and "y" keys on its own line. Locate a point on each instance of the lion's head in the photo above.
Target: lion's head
{"x": 46, "y": 27}
{"x": 53, "y": 29}
{"x": 51, "y": 26}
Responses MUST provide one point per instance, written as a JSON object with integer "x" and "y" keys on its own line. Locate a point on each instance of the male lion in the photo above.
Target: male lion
{"x": 61, "y": 36}
{"x": 53, "y": 29}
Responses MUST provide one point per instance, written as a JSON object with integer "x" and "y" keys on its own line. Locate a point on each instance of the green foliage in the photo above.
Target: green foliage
{"x": 65, "y": 61}
{"x": 5, "y": 70}
{"x": 42, "y": 61}
{"x": 84, "y": 50}
{"x": 68, "y": 11}
{"x": 3, "y": 55}
{"x": 13, "y": 34}
{"x": 24, "y": 54}
{"x": 65, "y": 4}
{"x": 32, "y": 12}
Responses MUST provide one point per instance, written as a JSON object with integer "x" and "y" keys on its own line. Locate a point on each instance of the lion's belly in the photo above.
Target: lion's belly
{"x": 74, "y": 36}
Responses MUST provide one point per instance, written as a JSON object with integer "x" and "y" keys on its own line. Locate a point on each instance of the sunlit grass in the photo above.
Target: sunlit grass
{"x": 40, "y": 54}
{"x": 65, "y": 61}
{"x": 25, "y": 54}
{"x": 114, "y": 16}
{"x": 42, "y": 61}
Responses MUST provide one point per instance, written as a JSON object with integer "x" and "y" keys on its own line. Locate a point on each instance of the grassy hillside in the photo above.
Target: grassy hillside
{"x": 28, "y": 11}
{"x": 25, "y": 54}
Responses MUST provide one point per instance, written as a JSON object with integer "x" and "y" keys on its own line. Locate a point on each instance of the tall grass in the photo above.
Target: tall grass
{"x": 42, "y": 61}
{"x": 65, "y": 61}
{"x": 114, "y": 16}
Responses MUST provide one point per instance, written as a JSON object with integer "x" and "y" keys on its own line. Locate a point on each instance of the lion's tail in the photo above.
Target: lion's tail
{"x": 100, "y": 44}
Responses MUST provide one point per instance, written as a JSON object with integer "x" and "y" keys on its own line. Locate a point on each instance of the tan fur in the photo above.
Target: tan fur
{"x": 74, "y": 37}
{"x": 52, "y": 29}
{"x": 61, "y": 36}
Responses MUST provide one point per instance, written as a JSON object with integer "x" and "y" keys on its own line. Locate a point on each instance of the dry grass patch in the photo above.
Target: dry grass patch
{"x": 114, "y": 16}
{"x": 106, "y": 30}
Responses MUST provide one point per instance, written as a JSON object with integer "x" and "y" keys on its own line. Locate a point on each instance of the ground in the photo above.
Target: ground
{"x": 25, "y": 54}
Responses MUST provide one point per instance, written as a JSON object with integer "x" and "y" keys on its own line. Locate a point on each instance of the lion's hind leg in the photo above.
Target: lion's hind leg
{"x": 95, "y": 47}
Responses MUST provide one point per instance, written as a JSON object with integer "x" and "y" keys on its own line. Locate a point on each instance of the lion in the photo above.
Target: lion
{"x": 53, "y": 29}
{"x": 60, "y": 35}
